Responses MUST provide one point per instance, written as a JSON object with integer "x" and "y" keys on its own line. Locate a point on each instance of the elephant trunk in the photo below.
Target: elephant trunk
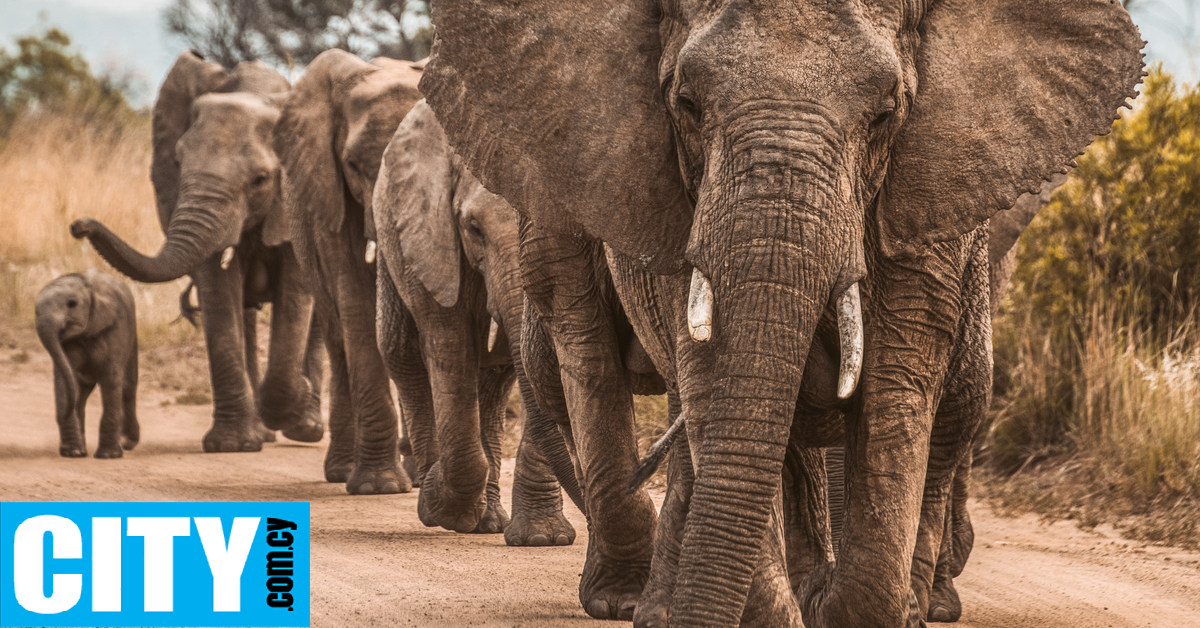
{"x": 48, "y": 330}
{"x": 769, "y": 253}
{"x": 197, "y": 230}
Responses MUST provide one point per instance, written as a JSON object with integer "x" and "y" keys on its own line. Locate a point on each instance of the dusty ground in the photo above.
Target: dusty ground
{"x": 375, "y": 564}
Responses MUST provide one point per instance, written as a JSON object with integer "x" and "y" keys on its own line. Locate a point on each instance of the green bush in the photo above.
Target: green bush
{"x": 1097, "y": 344}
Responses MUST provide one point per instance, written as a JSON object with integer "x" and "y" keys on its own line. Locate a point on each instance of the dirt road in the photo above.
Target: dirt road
{"x": 375, "y": 564}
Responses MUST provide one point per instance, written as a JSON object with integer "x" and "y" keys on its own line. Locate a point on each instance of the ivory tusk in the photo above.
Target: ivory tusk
{"x": 493, "y": 329}
{"x": 226, "y": 258}
{"x": 370, "y": 256}
{"x": 700, "y": 307}
{"x": 850, "y": 335}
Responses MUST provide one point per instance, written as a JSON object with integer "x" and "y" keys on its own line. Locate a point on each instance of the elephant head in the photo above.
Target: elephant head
{"x": 776, "y": 148}
{"x": 215, "y": 172}
{"x": 433, "y": 214}
{"x": 334, "y": 128}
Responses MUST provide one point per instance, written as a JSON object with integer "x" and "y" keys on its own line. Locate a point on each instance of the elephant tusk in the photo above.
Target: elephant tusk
{"x": 370, "y": 256}
{"x": 700, "y": 307}
{"x": 226, "y": 258}
{"x": 493, "y": 329}
{"x": 850, "y": 335}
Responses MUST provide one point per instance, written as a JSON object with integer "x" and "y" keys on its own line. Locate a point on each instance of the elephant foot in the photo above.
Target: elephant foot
{"x": 130, "y": 435}
{"x": 378, "y": 481}
{"x": 437, "y": 507}
{"x": 310, "y": 430}
{"x": 224, "y": 437}
{"x": 610, "y": 588}
{"x": 538, "y": 529}
{"x": 338, "y": 465}
{"x": 818, "y": 605}
{"x": 944, "y": 604}
{"x": 107, "y": 452}
{"x": 267, "y": 436}
{"x": 283, "y": 405}
{"x": 653, "y": 610}
{"x": 494, "y": 520}
{"x": 72, "y": 451}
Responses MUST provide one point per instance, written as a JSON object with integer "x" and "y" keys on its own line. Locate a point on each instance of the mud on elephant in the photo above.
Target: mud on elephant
{"x": 451, "y": 310}
{"x": 88, "y": 323}
{"x": 216, "y": 182}
{"x": 771, "y": 163}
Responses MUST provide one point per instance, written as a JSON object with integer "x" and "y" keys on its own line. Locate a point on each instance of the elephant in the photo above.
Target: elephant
{"x": 451, "y": 310}
{"x": 216, "y": 181}
{"x": 795, "y": 199}
{"x": 88, "y": 323}
{"x": 330, "y": 138}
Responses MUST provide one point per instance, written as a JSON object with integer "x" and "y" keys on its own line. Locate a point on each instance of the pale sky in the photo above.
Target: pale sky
{"x": 129, "y": 34}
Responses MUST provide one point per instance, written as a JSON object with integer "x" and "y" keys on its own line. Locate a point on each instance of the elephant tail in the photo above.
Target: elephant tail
{"x": 544, "y": 433}
{"x": 187, "y": 311}
{"x": 658, "y": 451}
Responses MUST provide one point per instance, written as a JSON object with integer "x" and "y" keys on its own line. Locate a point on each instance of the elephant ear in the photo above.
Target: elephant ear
{"x": 556, "y": 107}
{"x": 306, "y": 140}
{"x": 189, "y": 78}
{"x": 255, "y": 77}
{"x": 1008, "y": 93}
{"x": 110, "y": 300}
{"x": 413, "y": 203}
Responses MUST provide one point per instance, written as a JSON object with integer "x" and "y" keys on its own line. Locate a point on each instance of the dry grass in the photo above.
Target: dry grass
{"x": 1114, "y": 439}
{"x": 54, "y": 171}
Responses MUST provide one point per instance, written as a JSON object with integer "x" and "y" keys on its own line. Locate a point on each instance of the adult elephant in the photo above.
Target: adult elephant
{"x": 216, "y": 183}
{"x": 450, "y": 316}
{"x": 773, "y": 162}
{"x": 330, "y": 138}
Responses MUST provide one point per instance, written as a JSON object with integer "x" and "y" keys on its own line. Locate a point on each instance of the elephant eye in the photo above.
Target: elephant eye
{"x": 260, "y": 179}
{"x": 688, "y": 105}
{"x": 475, "y": 229}
{"x": 883, "y": 115}
{"x": 72, "y": 303}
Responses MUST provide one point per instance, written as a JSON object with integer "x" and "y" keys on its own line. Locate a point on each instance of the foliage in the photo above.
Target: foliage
{"x": 293, "y": 32}
{"x": 1098, "y": 344}
{"x": 44, "y": 76}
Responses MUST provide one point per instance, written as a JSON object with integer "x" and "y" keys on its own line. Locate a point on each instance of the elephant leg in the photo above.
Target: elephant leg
{"x": 110, "y": 418}
{"x": 806, "y": 511}
{"x": 567, "y": 282}
{"x": 453, "y": 492}
{"x": 284, "y": 395}
{"x": 72, "y": 437}
{"x": 889, "y": 435}
{"x": 399, "y": 345}
{"x": 537, "y": 517}
{"x": 131, "y": 432}
{"x": 495, "y": 385}
{"x": 311, "y": 428}
{"x": 944, "y": 602}
{"x": 654, "y": 606}
{"x": 339, "y": 458}
{"x": 250, "y": 331}
{"x": 235, "y": 423}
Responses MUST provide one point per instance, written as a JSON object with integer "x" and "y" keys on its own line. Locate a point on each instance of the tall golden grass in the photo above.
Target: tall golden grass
{"x": 54, "y": 169}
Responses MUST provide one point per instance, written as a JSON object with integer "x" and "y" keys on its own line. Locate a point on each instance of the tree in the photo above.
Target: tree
{"x": 45, "y": 75}
{"x": 293, "y": 32}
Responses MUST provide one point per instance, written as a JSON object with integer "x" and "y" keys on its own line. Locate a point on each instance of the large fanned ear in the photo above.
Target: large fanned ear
{"x": 189, "y": 78}
{"x": 1008, "y": 93}
{"x": 413, "y": 204}
{"x": 306, "y": 141}
{"x": 1007, "y": 226}
{"x": 556, "y": 107}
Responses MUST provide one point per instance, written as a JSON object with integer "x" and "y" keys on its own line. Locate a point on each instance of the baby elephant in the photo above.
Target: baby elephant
{"x": 88, "y": 324}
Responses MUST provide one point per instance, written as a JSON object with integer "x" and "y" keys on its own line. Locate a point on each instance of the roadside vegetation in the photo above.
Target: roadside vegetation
{"x": 1097, "y": 407}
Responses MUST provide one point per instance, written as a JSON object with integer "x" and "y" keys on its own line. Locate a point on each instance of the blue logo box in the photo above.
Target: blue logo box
{"x": 154, "y": 564}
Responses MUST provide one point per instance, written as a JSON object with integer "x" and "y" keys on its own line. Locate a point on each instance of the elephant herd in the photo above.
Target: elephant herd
{"x": 778, "y": 214}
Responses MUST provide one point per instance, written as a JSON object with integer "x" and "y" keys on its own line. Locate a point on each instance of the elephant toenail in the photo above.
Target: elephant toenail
{"x": 562, "y": 540}
{"x": 539, "y": 540}
{"x": 391, "y": 487}
{"x": 625, "y": 613}
{"x": 940, "y": 614}
{"x": 598, "y": 609}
